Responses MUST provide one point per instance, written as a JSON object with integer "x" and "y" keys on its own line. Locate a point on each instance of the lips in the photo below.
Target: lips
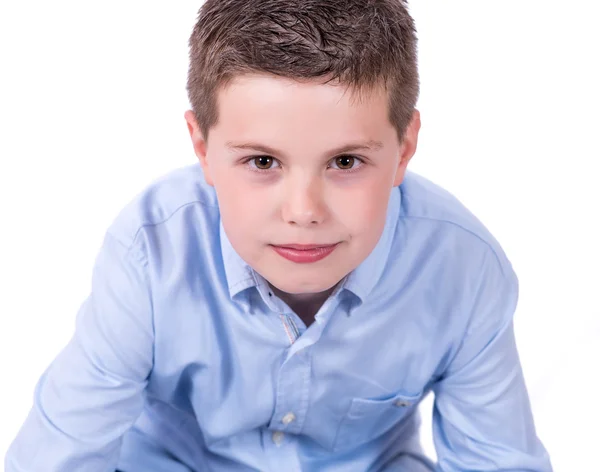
{"x": 305, "y": 247}
{"x": 304, "y": 253}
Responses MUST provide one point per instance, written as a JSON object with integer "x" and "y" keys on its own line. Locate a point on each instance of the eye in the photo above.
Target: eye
{"x": 263, "y": 162}
{"x": 346, "y": 162}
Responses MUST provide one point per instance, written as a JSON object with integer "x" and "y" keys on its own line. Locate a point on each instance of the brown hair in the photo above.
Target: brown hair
{"x": 357, "y": 43}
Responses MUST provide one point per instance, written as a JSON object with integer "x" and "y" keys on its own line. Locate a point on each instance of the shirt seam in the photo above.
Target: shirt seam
{"x": 458, "y": 225}
{"x": 164, "y": 220}
{"x": 468, "y": 328}
{"x": 240, "y": 282}
{"x": 139, "y": 257}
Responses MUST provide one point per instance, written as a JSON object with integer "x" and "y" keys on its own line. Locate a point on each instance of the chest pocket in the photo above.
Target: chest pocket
{"x": 368, "y": 419}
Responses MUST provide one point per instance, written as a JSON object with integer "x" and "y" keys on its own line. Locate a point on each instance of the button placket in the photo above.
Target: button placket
{"x": 278, "y": 437}
{"x": 288, "y": 418}
{"x": 290, "y": 403}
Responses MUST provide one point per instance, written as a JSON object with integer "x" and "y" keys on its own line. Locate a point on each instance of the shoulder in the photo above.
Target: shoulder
{"x": 468, "y": 279}
{"x": 437, "y": 217}
{"x": 175, "y": 193}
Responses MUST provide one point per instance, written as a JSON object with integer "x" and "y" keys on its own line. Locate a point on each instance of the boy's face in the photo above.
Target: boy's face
{"x": 281, "y": 179}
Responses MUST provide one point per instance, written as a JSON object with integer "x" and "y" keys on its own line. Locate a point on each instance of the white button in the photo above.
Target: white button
{"x": 402, "y": 403}
{"x": 278, "y": 437}
{"x": 289, "y": 418}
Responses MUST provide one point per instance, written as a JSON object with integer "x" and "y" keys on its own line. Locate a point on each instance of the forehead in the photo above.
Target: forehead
{"x": 254, "y": 104}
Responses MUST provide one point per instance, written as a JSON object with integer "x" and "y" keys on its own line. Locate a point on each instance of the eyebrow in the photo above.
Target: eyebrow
{"x": 370, "y": 145}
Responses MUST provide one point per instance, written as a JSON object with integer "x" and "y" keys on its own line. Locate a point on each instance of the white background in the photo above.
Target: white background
{"x": 92, "y": 96}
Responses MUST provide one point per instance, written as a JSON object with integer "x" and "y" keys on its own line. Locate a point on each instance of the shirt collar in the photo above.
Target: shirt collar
{"x": 239, "y": 274}
{"x": 360, "y": 282}
{"x": 363, "y": 279}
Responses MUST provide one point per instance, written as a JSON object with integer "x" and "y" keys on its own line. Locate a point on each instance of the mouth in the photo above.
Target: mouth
{"x": 304, "y": 253}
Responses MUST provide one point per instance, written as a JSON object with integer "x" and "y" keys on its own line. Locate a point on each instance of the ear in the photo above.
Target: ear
{"x": 199, "y": 143}
{"x": 409, "y": 146}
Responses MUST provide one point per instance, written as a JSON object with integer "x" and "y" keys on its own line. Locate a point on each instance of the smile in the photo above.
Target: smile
{"x": 304, "y": 254}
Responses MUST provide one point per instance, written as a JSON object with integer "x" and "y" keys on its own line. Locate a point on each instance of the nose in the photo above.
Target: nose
{"x": 303, "y": 203}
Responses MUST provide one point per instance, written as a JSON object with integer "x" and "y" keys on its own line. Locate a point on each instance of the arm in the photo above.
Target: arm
{"x": 92, "y": 392}
{"x": 482, "y": 418}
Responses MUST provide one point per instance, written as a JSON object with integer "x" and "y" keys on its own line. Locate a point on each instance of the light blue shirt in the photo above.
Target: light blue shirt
{"x": 183, "y": 360}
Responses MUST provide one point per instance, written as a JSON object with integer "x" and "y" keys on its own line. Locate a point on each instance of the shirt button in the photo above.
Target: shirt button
{"x": 402, "y": 403}
{"x": 278, "y": 437}
{"x": 289, "y": 418}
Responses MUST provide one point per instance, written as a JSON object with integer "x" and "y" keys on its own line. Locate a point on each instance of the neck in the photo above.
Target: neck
{"x": 305, "y": 305}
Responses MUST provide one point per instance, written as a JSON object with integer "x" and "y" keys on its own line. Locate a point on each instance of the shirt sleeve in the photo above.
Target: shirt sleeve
{"x": 92, "y": 393}
{"x": 482, "y": 418}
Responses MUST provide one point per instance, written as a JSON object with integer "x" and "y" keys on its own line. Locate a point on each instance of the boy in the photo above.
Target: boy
{"x": 285, "y": 305}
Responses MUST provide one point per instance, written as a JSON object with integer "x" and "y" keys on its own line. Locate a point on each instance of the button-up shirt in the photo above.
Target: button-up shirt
{"x": 183, "y": 359}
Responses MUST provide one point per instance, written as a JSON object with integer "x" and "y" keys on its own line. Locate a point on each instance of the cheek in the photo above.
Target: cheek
{"x": 363, "y": 210}
{"x": 243, "y": 205}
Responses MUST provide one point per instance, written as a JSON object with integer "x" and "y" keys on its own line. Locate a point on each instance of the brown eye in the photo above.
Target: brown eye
{"x": 344, "y": 162}
{"x": 263, "y": 162}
